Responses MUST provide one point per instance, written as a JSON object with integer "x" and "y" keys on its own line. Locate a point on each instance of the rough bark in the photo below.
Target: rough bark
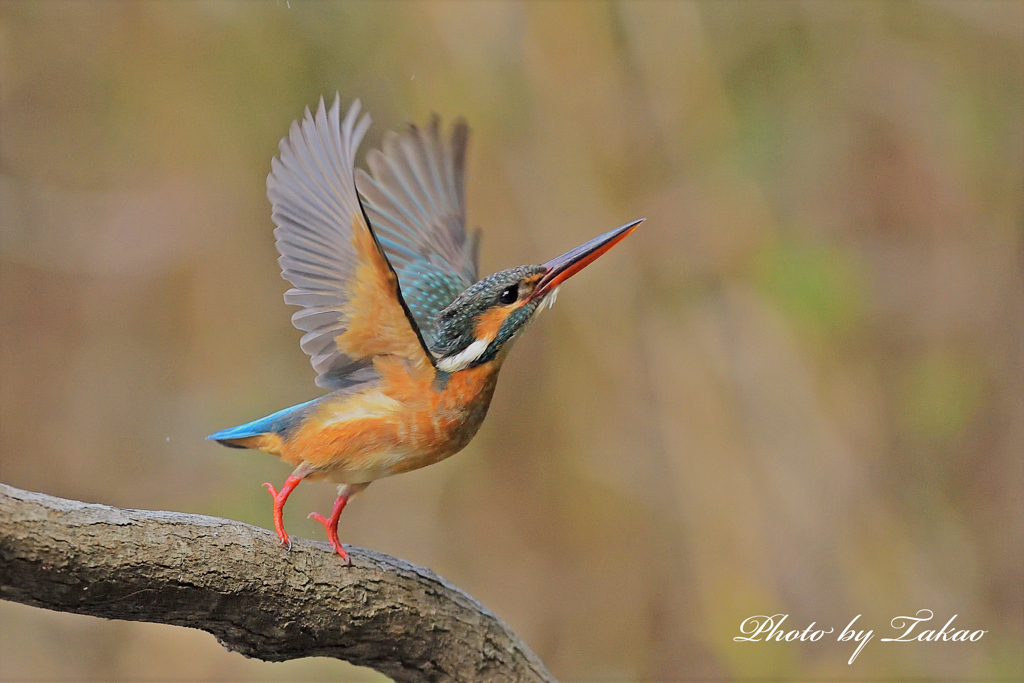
{"x": 234, "y": 581}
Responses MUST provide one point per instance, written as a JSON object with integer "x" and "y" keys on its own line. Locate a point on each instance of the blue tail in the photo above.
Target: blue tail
{"x": 275, "y": 423}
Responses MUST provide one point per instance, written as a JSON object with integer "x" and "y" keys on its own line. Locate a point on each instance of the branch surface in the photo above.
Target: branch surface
{"x": 234, "y": 581}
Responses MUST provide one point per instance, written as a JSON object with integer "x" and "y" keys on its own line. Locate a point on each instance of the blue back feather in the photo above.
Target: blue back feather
{"x": 276, "y": 423}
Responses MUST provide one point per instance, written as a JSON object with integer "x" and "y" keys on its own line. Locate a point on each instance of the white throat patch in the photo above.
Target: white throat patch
{"x": 548, "y": 301}
{"x": 550, "y": 298}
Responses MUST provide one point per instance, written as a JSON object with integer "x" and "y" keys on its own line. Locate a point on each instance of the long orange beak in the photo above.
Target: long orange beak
{"x": 561, "y": 268}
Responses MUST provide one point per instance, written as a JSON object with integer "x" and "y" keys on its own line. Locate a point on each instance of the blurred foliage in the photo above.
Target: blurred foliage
{"x": 822, "y": 287}
{"x": 797, "y": 389}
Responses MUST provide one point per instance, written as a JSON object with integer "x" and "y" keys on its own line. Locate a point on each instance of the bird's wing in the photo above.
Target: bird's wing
{"x": 415, "y": 200}
{"x": 352, "y": 308}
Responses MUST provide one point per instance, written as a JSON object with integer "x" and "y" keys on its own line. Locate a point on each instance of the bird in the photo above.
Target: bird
{"x": 398, "y": 326}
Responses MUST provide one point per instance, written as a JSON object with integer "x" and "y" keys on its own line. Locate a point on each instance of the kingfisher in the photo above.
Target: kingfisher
{"x": 396, "y": 323}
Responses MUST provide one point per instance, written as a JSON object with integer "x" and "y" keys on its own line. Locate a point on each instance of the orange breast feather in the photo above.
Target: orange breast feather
{"x": 405, "y": 424}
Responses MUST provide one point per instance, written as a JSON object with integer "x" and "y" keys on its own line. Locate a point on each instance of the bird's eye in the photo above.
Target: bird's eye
{"x": 509, "y": 295}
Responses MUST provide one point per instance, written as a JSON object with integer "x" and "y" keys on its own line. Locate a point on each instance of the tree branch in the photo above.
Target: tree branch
{"x": 234, "y": 581}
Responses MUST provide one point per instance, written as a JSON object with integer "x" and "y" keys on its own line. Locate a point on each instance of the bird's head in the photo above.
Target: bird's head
{"x": 485, "y": 319}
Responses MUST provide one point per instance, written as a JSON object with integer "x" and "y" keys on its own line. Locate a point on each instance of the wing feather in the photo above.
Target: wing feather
{"x": 352, "y": 307}
{"x": 414, "y": 197}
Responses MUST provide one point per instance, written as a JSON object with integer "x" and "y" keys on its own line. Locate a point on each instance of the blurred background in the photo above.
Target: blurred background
{"x": 797, "y": 389}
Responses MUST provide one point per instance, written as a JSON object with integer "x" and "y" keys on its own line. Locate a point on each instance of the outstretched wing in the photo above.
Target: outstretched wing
{"x": 415, "y": 200}
{"x": 352, "y": 308}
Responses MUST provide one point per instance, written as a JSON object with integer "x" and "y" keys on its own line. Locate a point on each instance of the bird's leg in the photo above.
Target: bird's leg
{"x": 279, "y": 500}
{"x": 345, "y": 491}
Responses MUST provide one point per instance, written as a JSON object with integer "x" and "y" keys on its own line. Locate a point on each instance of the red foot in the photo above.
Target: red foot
{"x": 332, "y": 526}
{"x": 279, "y": 500}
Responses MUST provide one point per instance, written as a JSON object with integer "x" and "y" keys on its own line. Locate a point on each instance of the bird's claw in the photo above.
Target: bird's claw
{"x": 318, "y": 517}
{"x": 332, "y": 535}
{"x": 286, "y": 540}
{"x": 282, "y": 535}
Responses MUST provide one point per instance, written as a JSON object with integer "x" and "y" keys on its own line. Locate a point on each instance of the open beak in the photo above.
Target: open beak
{"x": 561, "y": 268}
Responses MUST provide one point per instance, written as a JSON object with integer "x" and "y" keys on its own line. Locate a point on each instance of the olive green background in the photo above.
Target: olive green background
{"x": 797, "y": 389}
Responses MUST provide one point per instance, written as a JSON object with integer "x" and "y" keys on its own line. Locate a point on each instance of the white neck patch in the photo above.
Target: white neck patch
{"x": 464, "y": 358}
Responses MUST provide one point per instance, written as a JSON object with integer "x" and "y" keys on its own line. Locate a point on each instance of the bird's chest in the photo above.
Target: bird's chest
{"x": 407, "y": 423}
{"x": 443, "y": 424}
{"x": 463, "y": 401}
